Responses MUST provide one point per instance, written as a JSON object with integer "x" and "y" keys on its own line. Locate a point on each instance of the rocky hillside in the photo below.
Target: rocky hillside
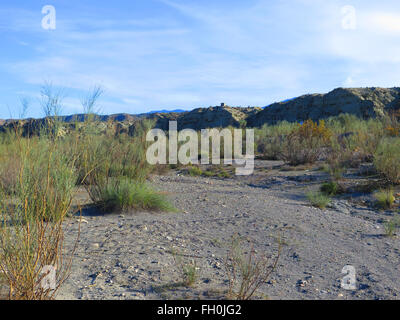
{"x": 362, "y": 102}
{"x": 214, "y": 117}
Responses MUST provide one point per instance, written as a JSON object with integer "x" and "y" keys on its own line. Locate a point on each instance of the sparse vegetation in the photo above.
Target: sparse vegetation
{"x": 39, "y": 170}
{"x": 391, "y": 226}
{"x": 33, "y": 211}
{"x": 188, "y": 269}
{"x": 306, "y": 142}
{"x": 387, "y": 159}
{"x": 330, "y": 188}
{"x": 247, "y": 271}
{"x": 318, "y": 199}
{"x": 384, "y": 198}
{"x": 270, "y": 138}
{"x": 195, "y": 171}
{"x": 42, "y": 167}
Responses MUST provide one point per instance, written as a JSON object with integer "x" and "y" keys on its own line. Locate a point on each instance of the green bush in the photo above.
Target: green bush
{"x": 269, "y": 139}
{"x": 387, "y": 159}
{"x": 209, "y": 173}
{"x": 104, "y": 158}
{"x": 391, "y": 226}
{"x": 305, "y": 144}
{"x": 10, "y": 166}
{"x": 247, "y": 269}
{"x": 42, "y": 183}
{"x": 318, "y": 199}
{"x": 195, "y": 171}
{"x": 223, "y": 174}
{"x": 31, "y": 228}
{"x": 384, "y": 198}
{"x": 124, "y": 194}
{"x": 188, "y": 270}
{"x": 330, "y": 188}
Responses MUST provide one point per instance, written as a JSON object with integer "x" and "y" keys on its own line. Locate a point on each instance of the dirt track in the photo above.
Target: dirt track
{"x": 127, "y": 256}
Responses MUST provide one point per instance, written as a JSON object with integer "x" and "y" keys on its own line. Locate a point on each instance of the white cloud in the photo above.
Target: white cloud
{"x": 244, "y": 53}
{"x": 385, "y": 22}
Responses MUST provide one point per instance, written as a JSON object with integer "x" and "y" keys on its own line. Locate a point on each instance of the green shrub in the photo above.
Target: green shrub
{"x": 42, "y": 183}
{"x": 246, "y": 269}
{"x": 124, "y": 194}
{"x": 358, "y": 137}
{"x": 330, "y": 188}
{"x": 195, "y": 171}
{"x": 209, "y": 173}
{"x": 188, "y": 270}
{"x": 384, "y": 198}
{"x": 305, "y": 143}
{"x": 216, "y": 171}
{"x": 387, "y": 159}
{"x": 31, "y": 227}
{"x": 318, "y": 199}
{"x": 269, "y": 139}
{"x": 107, "y": 158}
{"x": 391, "y": 226}
{"x": 10, "y": 166}
{"x": 223, "y": 174}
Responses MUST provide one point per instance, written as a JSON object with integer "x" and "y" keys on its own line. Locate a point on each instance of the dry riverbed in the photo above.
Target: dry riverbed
{"x": 128, "y": 255}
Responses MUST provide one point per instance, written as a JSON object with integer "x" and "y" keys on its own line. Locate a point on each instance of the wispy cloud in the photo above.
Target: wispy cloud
{"x": 201, "y": 53}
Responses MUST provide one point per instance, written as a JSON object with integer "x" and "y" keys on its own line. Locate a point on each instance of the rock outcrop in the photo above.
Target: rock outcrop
{"x": 362, "y": 102}
{"x": 215, "y": 117}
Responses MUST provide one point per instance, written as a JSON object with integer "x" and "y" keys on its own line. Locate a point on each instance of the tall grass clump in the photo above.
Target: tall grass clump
{"x": 391, "y": 225}
{"x": 330, "y": 188}
{"x": 117, "y": 171}
{"x": 32, "y": 216}
{"x": 188, "y": 269}
{"x": 384, "y": 198}
{"x": 387, "y": 159}
{"x": 10, "y": 163}
{"x": 113, "y": 167}
{"x": 319, "y": 199}
{"x": 194, "y": 171}
{"x": 124, "y": 194}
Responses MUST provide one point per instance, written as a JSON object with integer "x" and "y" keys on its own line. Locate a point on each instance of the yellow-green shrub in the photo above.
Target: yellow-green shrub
{"x": 387, "y": 159}
{"x": 306, "y": 142}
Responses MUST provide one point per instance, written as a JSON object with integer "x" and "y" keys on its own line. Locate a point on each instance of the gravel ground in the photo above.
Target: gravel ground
{"x": 128, "y": 256}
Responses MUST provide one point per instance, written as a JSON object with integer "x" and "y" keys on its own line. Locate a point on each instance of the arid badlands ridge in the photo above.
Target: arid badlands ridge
{"x": 362, "y": 102}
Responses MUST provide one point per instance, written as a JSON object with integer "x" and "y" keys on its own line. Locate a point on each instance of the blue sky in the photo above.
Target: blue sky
{"x": 169, "y": 54}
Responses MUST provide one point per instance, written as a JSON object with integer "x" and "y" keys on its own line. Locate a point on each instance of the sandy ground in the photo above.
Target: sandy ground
{"x": 128, "y": 256}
